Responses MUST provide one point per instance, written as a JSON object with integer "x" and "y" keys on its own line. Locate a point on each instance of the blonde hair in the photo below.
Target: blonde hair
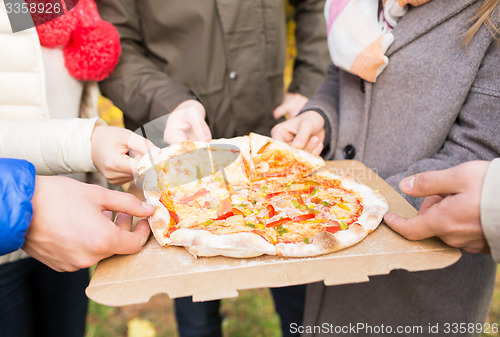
{"x": 483, "y": 17}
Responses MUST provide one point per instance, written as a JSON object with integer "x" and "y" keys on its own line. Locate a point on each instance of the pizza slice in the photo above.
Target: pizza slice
{"x": 272, "y": 158}
{"x": 191, "y": 183}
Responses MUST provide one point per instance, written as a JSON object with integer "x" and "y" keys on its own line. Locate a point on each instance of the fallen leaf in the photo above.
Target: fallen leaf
{"x": 140, "y": 328}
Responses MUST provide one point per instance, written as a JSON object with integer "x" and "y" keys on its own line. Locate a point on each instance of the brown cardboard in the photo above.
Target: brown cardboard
{"x": 123, "y": 280}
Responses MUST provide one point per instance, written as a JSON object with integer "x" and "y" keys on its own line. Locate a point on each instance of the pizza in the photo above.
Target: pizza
{"x": 252, "y": 195}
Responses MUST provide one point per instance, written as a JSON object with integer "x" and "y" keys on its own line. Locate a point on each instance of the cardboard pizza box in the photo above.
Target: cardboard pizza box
{"x": 131, "y": 279}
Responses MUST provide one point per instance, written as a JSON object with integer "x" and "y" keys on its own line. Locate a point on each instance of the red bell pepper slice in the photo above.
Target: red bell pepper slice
{"x": 263, "y": 148}
{"x": 173, "y": 216}
{"x": 225, "y": 216}
{"x": 332, "y": 229}
{"x": 275, "y": 174}
{"x": 271, "y": 195}
{"x": 303, "y": 217}
{"x": 283, "y": 221}
{"x": 170, "y": 231}
{"x": 271, "y": 210}
{"x": 237, "y": 211}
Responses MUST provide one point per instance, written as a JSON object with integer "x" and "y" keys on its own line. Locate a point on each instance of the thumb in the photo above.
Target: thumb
{"x": 126, "y": 242}
{"x": 201, "y": 130}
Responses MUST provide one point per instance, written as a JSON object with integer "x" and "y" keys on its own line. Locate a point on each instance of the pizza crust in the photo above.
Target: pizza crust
{"x": 323, "y": 243}
{"x": 258, "y": 141}
{"x": 204, "y": 243}
{"x": 160, "y": 219}
{"x": 374, "y": 204}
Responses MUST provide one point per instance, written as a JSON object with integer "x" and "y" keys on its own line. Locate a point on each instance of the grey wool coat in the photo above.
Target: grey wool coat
{"x": 437, "y": 104}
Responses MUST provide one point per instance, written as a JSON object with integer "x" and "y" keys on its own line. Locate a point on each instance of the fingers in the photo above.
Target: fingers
{"x": 317, "y": 150}
{"x": 315, "y": 146}
{"x": 108, "y": 215}
{"x": 285, "y": 131}
{"x": 174, "y": 135}
{"x": 416, "y": 228}
{"x": 126, "y": 242}
{"x": 304, "y": 133}
{"x": 187, "y": 122}
{"x": 123, "y": 221}
{"x": 291, "y": 106}
{"x": 201, "y": 130}
{"x": 124, "y": 203}
{"x": 280, "y": 111}
{"x": 138, "y": 143}
{"x": 429, "y": 202}
{"x": 432, "y": 182}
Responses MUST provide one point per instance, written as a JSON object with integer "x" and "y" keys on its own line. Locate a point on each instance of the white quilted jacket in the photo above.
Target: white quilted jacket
{"x": 54, "y": 146}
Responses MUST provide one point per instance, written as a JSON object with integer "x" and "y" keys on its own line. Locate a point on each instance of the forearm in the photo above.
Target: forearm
{"x": 55, "y": 146}
{"x": 325, "y": 101}
{"x": 17, "y": 185}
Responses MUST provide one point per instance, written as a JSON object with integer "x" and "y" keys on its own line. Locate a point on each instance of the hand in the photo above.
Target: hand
{"x": 110, "y": 148}
{"x": 306, "y": 131}
{"x": 70, "y": 229}
{"x": 187, "y": 122}
{"x": 290, "y": 108}
{"x": 451, "y": 207}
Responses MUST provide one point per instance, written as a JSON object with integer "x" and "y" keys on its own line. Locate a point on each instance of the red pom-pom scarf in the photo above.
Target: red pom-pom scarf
{"x": 91, "y": 46}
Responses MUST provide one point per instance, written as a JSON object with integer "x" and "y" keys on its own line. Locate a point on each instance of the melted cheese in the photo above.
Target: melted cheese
{"x": 330, "y": 203}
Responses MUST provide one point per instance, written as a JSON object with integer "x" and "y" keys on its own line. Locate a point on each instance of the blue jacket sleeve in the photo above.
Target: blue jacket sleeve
{"x": 17, "y": 185}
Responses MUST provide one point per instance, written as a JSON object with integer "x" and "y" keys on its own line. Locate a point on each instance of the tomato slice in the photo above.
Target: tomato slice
{"x": 283, "y": 221}
{"x": 304, "y": 217}
{"x": 271, "y": 210}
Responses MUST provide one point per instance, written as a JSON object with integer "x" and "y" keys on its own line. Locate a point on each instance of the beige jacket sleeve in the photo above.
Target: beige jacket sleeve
{"x": 490, "y": 208}
{"x": 55, "y": 146}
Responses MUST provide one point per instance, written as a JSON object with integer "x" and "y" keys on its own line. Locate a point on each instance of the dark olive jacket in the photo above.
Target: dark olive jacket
{"x": 229, "y": 53}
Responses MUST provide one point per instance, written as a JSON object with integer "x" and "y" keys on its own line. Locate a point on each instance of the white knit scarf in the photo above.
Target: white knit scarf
{"x": 358, "y": 36}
